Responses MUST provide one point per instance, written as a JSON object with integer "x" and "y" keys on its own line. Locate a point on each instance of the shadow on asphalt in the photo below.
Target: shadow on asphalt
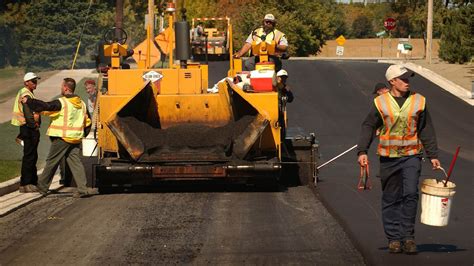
{"x": 198, "y": 186}
{"x": 437, "y": 248}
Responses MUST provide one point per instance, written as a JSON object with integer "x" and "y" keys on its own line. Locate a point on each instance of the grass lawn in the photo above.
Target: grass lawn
{"x": 11, "y": 80}
{"x": 11, "y": 153}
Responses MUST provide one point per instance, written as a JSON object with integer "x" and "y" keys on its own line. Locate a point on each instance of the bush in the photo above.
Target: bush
{"x": 457, "y": 39}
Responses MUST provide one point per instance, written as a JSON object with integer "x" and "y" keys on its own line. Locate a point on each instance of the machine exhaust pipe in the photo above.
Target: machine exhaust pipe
{"x": 128, "y": 169}
{"x": 257, "y": 167}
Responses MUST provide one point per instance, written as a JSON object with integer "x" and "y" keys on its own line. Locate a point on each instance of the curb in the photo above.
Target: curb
{"x": 437, "y": 79}
{"x": 15, "y": 200}
{"x": 9, "y": 186}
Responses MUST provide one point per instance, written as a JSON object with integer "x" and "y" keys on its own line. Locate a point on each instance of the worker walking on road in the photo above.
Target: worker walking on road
{"x": 29, "y": 123}
{"x": 406, "y": 131}
{"x": 69, "y": 119}
{"x": 266, "y": 33}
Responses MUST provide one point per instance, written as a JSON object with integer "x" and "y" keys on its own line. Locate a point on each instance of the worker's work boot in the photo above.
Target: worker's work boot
{"x": 28, "y": 189}
{"x": 395, "y": 246}
{"x": 88, "y": 193}
{"x": 409, "y": 247}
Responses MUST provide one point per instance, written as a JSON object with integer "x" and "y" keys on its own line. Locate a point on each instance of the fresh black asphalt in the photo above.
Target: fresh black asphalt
{"x": 331, "y": 99}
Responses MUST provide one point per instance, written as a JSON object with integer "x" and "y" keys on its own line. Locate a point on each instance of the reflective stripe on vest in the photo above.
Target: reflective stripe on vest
{"x": 398, "y": 135}
{"x": 273, "y": 35}
{"x": 70, "y": 121}
{"x": 18, "y": 118}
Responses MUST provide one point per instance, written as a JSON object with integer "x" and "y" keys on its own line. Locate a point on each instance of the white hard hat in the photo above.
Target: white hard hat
{"x": 395, "y": 71}
{"x": 269, "y": 17}
{"x": 30, "y": 76}
{"x": 282, "y": 73}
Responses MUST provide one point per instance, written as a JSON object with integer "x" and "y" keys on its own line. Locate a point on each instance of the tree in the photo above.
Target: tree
{"x": 12, "y": 14}
{"x": 52, "y": 30}
{"x": 457, "y": 39}
{"x": 362, "y": 27}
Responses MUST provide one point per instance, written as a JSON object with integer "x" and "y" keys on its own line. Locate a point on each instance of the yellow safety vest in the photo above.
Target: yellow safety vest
{"x": 398, "y": 135}
{"x": 69, "y": 123}
{"x": 18, "y": 117}
{"x": 274, "y": 35}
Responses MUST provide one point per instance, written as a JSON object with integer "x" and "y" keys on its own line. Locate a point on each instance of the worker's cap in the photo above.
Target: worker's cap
{"x": 282, "y": 73}
{"x": 30, "y": 76}
{"x": 269, "y": 17}
{"x": 379, "y": 86}
{"x": 398, "y": 71}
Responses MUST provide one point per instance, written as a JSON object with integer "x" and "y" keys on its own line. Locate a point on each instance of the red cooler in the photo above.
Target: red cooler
{"x": 263, "y": 80}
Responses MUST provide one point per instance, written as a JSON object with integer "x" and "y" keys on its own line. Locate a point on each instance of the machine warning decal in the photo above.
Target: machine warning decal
{"x": 152, "y": 76}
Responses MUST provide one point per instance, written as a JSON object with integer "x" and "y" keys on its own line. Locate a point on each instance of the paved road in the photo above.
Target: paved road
{"x": 213, "y": 224}
{"x": 332, "y": 99}
{"x": 208, "y": 224}
{"x": 47, "y": 89}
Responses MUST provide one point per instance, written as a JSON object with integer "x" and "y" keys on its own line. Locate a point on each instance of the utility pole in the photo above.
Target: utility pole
{"x": 429, "y": 31}
{"x": 118, "y": 18}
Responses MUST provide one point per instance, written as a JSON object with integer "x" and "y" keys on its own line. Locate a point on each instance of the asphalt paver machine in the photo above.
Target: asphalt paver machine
{"x": 156, "y": 124}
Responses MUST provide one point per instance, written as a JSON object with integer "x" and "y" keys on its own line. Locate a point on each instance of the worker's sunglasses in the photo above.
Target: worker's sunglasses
{"x": 269, "y": 22}
{"x": 35, "y": 81}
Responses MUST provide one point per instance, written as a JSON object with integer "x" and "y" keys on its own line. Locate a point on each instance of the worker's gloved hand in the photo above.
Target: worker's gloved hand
{"x": 236, "y": 55}
{"x": 363, "y": 160}
{"x": 436, "y": 163}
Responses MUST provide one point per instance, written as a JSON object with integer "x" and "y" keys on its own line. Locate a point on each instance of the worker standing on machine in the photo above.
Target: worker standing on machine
{"x": 282, "y": 77}
{"x": 406, "y": 130}
{"x": 266, "y": 33}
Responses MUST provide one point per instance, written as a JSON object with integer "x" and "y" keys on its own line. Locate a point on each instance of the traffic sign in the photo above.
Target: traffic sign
{"x": 340, "y": 50}
{"x": 381, "y": 33}
{"x": 341, "y": 40}
{"x": 390, "y": 24}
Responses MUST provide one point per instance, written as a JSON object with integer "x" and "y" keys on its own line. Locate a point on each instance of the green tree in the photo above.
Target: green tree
{"x": 52, "y": 30}
{"x": 362, "y": 27}
{"x": 457, "y": 39}
{"x": 11, "y": 15}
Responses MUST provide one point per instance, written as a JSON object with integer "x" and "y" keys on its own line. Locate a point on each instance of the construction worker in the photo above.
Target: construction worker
{"x": 380, "y": 88}
{"x": 265, "y": 33}
{"x": 69, "y": 119}
{"x": 282, "y": 77}
{"x": 29, "y": 123}
{"x": 406, "y": 131}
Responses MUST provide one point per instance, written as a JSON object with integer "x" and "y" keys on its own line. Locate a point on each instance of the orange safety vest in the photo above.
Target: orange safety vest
{"x": 69, "y": 123}
{"x": 398, "y": 135}
{"x": 18, "y": 117}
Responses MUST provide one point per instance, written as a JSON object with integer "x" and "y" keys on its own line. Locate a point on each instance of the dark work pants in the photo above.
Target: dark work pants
{"x": 59, "y": 150}
{"x": 31, "y": 138}
{"x": 399, "y": 178}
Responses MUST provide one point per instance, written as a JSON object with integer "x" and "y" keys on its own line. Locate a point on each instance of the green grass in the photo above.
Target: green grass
{"x": 10, "y": 72}
{"x": 9, "y": 169}
{"x": 11, "y": 80}
{"x": 11, "y": 153}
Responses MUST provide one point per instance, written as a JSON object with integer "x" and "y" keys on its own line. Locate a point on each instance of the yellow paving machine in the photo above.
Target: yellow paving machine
{"x": 157, "y": 124}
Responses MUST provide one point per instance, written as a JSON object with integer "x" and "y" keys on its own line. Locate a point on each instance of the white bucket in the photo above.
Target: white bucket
{"x": 89, "y": 146}
{"x": 436, "y": 201}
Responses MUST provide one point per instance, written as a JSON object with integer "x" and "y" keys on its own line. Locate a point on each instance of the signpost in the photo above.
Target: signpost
{"x": 381, "y": 34}
{"x": 340, "y": 48}
{"x": 389, "y": 24}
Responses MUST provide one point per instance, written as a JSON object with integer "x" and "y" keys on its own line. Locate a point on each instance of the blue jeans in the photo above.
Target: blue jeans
{"x": 399, "y": 177}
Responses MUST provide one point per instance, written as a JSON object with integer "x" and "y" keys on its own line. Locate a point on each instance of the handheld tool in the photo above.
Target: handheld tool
{"x": 364, "y": 181}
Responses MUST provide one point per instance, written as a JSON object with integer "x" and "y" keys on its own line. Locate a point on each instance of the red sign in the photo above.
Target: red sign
{"x": 390, "y": 24}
